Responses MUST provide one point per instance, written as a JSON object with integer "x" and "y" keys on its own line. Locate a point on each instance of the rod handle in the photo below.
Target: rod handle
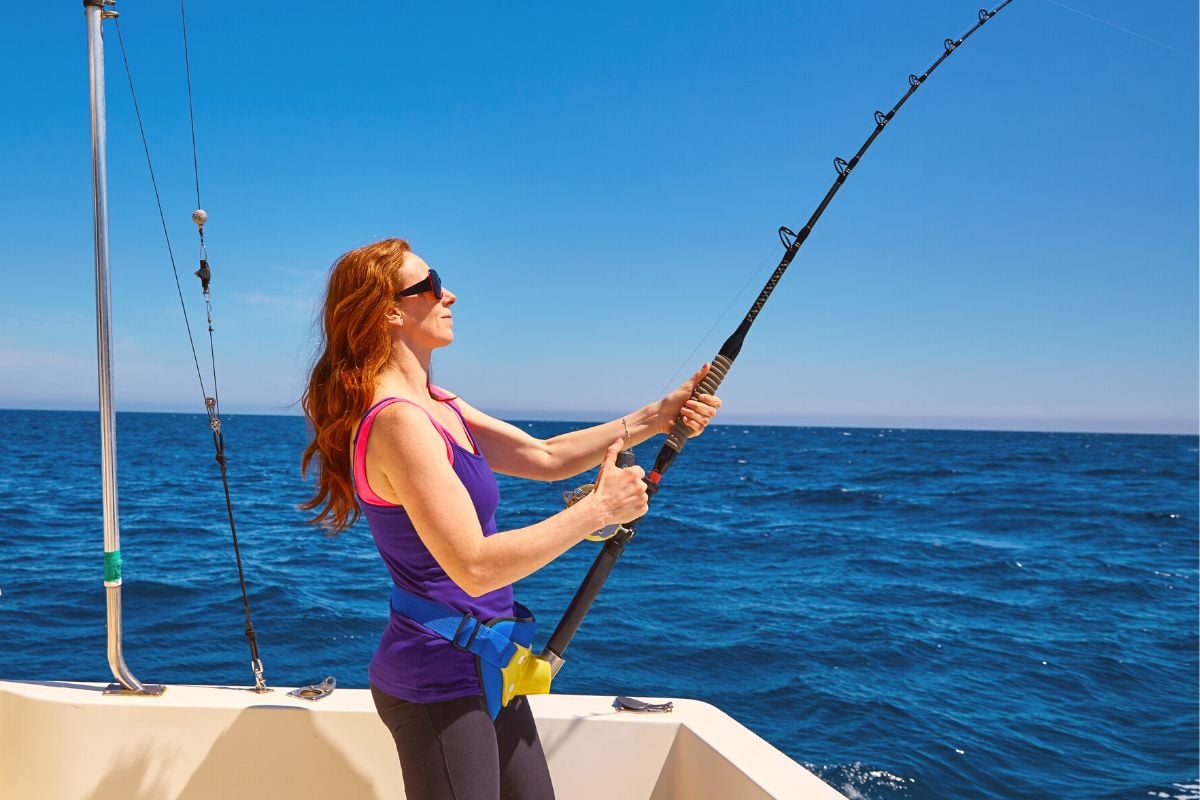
{"x": 716, "y": 373}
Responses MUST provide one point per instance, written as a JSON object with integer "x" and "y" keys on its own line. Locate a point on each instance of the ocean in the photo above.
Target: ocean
{"x": 909, "y": 613}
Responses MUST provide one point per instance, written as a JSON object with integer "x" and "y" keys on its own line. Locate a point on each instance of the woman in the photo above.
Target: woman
{"x": 419, "y": 464}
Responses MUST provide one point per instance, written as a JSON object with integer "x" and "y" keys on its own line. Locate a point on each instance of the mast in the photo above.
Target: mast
{"x": 96, "y": 13}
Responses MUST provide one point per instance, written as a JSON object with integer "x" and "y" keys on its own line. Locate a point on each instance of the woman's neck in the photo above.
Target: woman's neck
{"x": 406, "y": 374}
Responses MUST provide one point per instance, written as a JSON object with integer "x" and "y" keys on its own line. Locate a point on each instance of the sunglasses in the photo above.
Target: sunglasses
{"x": 432, "y": 283}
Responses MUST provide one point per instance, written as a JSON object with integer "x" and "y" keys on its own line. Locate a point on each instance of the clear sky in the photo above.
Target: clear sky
{"x": 601, "y": 186}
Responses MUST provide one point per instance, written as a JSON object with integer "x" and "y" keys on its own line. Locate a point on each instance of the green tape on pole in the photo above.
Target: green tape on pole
{"x": 112, "y": 566}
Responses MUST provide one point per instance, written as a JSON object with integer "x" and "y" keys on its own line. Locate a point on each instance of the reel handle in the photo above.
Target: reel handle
{"x": 625, "y": 459}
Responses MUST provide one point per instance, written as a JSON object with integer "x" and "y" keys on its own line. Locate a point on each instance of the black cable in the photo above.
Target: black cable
{"x": 210, "y": 403}
{"x": 213, "y": 404}
{"x": 187, "y": 67}
{"x": 219, "y": 445}
{"x": 161, "y": 216}
{"x": 191, "y": 116}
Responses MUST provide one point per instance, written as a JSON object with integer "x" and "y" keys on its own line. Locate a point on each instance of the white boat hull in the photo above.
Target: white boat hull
{"x": 62, "y": 741}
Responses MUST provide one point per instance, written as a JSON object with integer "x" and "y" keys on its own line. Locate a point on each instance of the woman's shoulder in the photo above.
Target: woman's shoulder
{"x": 404, "y": 429}
{"x": 402, "y": 411}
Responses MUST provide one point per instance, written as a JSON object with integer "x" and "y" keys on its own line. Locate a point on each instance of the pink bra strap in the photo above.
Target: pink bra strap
{"x": 360, "y": 448}
{"x": 448, "y": 398}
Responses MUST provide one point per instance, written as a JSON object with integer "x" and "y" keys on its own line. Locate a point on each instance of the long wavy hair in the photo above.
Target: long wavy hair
{"x": 355, "y": 346}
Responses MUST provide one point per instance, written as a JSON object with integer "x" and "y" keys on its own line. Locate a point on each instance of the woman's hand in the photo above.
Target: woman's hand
{"x": 697, "y": 412}
{"x": 620, "y": 493}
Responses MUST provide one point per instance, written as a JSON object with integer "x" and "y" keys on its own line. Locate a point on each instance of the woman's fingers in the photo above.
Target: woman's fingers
{"x": 699, "y": 411}
{"x": 622, "y": 491}
{"x": 677, "y": 403}
{"x": 691, "y": 383}
{"x": 610, "y": 459}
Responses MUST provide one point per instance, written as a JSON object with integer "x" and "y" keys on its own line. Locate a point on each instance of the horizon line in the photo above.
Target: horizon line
{"x": 981, "y": 424}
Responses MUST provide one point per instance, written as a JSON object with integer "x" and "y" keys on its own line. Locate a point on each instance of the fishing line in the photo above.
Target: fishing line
{"x": 1118, "y": 27}
{"x": 720, "y": 318}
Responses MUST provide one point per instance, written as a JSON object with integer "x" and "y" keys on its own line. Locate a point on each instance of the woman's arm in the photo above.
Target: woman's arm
{"x": 512, "y": 451}
{"x": 410, "y": 457}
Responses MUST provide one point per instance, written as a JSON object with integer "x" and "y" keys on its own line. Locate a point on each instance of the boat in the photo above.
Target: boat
{"x": 229, "y": 742}
{"x": 62, "y": 740}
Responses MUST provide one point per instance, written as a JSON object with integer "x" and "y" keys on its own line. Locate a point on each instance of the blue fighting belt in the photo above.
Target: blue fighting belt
{"x": 506, "y": 665}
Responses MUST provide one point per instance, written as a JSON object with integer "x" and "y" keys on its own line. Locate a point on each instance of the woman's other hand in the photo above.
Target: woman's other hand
{"x": 696, "y": 411}
{"x": 620, "y": 493}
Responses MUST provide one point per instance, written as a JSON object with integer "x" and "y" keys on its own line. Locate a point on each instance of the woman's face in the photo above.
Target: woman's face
{"x": 427, "y": 321}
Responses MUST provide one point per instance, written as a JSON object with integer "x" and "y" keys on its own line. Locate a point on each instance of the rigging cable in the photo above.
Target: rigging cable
{"x": 158, "y": 201}
{"x": 210, "y": 402}
{"x": 187, "y": 67}
{"x": 720, "y": 365}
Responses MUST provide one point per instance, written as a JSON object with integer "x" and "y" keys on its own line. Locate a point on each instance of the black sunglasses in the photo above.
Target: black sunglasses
{"x": 432, "y": 283}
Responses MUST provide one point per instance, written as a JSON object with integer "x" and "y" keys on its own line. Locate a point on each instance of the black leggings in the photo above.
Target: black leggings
{"x": 452, "y": 750}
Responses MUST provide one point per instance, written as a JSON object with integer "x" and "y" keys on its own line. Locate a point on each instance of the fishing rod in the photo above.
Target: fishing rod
{"x": 723, "y": 361}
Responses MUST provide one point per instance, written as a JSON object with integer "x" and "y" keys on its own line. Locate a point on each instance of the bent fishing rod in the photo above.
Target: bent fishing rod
{"x": 723, "y": 361}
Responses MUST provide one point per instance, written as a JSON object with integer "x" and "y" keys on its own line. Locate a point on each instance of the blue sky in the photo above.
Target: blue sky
{"x": 601, "y": 187}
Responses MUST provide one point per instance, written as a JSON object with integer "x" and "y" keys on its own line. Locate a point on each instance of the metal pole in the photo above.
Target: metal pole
{"x": 96, "y": 14}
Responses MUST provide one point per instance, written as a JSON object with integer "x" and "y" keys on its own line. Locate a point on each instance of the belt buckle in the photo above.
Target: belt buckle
{"x": 466, "y": 618}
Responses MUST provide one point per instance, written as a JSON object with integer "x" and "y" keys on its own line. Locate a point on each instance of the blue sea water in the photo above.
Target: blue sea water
{"x": 910, "y": 613}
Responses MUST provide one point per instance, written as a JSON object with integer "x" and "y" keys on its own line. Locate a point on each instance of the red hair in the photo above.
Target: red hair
{"x": 355, "y": 347}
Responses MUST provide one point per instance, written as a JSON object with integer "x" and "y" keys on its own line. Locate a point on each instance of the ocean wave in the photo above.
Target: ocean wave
{"x": 859, "y": 781}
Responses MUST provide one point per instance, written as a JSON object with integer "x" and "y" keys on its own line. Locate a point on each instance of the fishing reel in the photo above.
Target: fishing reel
{"x": 624, "y": 459}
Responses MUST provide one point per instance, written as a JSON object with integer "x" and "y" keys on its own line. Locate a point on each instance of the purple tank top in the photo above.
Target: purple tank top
{"x": 411, "y": 662}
